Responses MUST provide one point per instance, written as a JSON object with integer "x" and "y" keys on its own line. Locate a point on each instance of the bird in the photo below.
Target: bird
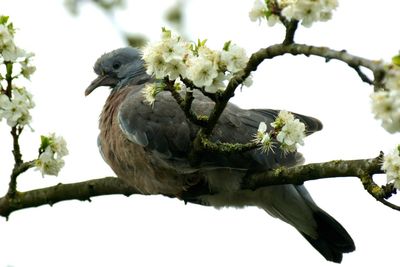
{"x": 149, "y": 147}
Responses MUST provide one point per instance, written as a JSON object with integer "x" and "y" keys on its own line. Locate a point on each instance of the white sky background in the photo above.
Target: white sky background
{"x": 158, "y": 231}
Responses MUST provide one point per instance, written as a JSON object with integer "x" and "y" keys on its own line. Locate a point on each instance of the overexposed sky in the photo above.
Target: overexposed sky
{"x": 158, "y": 231}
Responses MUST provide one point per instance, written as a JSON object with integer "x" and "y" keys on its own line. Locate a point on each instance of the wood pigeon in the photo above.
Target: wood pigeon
{"x": 149, "y": 147}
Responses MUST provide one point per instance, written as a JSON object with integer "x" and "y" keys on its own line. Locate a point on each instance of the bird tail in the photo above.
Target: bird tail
{"x": 332, "y": 239}
{"x": 294, "y": 205}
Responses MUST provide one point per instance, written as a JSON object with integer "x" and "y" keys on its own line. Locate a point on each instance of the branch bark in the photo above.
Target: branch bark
{"x": 62, "y": 192}
{"x": 362, "y": 168}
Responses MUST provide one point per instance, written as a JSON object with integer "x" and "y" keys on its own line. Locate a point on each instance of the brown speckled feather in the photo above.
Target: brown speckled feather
{"x": 131, "y": 161}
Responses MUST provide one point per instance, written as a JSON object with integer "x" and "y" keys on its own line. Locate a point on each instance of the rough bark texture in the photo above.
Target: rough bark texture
{"x": 363, "y": 168}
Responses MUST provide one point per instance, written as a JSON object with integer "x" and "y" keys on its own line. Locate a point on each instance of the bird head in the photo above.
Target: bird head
{"x": 118, "y": 68}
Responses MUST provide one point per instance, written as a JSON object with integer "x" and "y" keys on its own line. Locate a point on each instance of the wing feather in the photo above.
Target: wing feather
{"x": 164, "y": 129}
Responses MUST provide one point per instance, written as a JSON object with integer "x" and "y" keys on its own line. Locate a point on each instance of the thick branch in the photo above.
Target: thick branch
{"x": 293, "y": 175}
{"x": 61, "y": 192}
{"x": 364, "y": 169}
{"x": 314, "y": 171}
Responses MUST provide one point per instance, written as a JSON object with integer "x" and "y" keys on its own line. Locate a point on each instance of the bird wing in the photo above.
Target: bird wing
{"x": 164, "y": 129}
{"x": 161, "y": 128}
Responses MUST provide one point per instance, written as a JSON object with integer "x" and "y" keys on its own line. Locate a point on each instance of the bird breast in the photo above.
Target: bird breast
{"x": 131, "y": 162}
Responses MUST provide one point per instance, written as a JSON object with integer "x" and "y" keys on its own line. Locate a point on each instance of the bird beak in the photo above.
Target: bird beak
{"x": 101, "y": 80}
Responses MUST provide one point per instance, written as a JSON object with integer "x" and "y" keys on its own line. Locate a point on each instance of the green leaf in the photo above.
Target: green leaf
{"x": 201, "y": 43}
{"x": 226, "y": 45}
{"x": 11, "y": 29}
{"x": 268, "y": 13}
{"x": 396, "y": 60}
{"x": 4, "y": 19}
{"x": 166, "y": 33}
{"x": 44, "y": 143}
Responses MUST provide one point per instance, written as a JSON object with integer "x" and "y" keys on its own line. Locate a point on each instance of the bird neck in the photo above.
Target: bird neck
{"x": 111, "y": 107}
{"x": 133, "y": 80}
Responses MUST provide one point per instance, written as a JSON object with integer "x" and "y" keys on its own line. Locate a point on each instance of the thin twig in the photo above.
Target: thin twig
{"x": 186, "y": 106}
{"x": 17, "y": 170}
{"x": 189, "y": 84}
{"x": 362, "y": 75}
{"x": 15, "y": 133}
{"x": 389, "y": 204}
{"x": 221, "y": 147}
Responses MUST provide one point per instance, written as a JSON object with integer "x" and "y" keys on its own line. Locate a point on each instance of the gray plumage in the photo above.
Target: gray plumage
{"x": 149, "y": 147}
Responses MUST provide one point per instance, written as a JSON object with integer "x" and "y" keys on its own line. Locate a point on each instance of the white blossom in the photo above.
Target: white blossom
{"x": 26, "y": 68}
{"x": 16, "y": 109}
{"x": 166, "y": 57}
{"x": 175, "y": 68}
{"x": 9, "y": 52}
{"x": 150, "y": 92}
{"x": 12, "y": 53}
{"x": 173, "y": 48}
{"x": 58, "y": 145}
{"x": 386, "y": 107}
{"x": 258, "y": 11}
{"x": 386, "y": 102}
{"x": 6, "y": 38}
{"x": 202, "y": 71}
{"x": 48, "y": 164}
{"x": 208, "y": 54}
{"x": 206, "y": 68}
{"x": 263, "y": 138}
{"x": 305, "y": 11}
{"x": 217, "y": 84}
{"x": 261, "y": 132}
{"x": 155, "y": 62}
{"x": 52, "y": 150}
{"x": 234, "y": 58}
{"x": 291, "y": 134}
{"x": 290, "y": 131}
{"x": 391, "y": 166}
{"x": 9, "y": 110}
{"x": 392, "y": 78}
{"x": 309, "y": 11}
{"x": 282, "y": 118}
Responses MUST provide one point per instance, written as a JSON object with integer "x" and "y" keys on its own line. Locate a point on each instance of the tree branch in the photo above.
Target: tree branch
{"x": 314, "y": 171}
{"x": 185, "y": 104}
{"x": 17, "y": 170}
{"x": 273, "y": 51}
{"x": 363, "y": 168}
{"x": 62, "y": 192}
{"x": 291, "y": 27}
{"x": 220, "y": 147}
{"x": 301, "y": 49}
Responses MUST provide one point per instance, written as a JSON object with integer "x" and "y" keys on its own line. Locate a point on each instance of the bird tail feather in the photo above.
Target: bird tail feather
{"x": 332, "y": 239}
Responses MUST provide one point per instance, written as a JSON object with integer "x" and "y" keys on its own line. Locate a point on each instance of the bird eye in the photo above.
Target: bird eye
{"x": 116, "y": 65}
